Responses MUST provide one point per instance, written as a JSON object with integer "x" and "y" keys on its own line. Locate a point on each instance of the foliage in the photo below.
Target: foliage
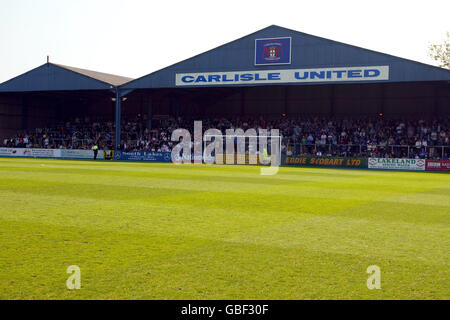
{"x": 441, "y": 52}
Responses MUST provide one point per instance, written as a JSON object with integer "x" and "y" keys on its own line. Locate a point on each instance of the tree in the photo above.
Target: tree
{"x": 441, "y": 52}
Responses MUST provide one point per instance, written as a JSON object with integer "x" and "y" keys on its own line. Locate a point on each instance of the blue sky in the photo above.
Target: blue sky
{"x": 135, "y": 37}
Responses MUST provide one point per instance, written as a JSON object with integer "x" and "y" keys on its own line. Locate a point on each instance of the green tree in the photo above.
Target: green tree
{"x": 441, "y": 52}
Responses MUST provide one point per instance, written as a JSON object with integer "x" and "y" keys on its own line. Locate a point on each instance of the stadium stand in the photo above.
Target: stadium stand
{"x": 318, "y": 136}
{"x": 327, "y": 99}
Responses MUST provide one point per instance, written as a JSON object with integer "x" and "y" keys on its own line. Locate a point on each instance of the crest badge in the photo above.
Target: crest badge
{"x": 273, "y": 51}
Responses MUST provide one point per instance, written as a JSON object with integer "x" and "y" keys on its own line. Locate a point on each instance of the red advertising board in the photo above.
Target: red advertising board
{"x": 443, "y": 165}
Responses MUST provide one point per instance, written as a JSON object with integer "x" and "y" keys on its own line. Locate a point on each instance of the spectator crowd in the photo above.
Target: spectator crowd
{"x": 303, "y": 135}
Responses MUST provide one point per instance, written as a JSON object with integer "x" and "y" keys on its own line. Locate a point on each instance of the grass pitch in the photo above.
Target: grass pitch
{"x": 162, "y": 231}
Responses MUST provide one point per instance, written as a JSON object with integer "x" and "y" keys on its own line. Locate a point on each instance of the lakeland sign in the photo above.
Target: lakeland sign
{"x": 367, "y": 73}
{"x": 397, "y": 164}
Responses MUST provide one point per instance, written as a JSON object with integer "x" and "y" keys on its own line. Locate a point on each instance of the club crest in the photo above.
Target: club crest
{"x": 273, "y": 51}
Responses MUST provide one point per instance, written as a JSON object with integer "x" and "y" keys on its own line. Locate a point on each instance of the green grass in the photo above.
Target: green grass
{"x": 162, "y": 231}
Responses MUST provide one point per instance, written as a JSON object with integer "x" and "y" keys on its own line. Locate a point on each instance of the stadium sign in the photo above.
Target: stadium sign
{"x": 443, "y": 165}
{"x": 368, "y": 73}
{"x": 143, "y": 156}
{"x": 30, "y": 153}
{"x": 397, "y": 164}
{"x": 81, "y": 154}
{"x": 52, "y": 153}
{"x": 325, "y": 162}
{"x": 11, "y": 152}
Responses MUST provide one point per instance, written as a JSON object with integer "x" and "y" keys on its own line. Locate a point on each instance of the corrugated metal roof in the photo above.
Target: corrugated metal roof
{"x": 308, "y": 52}
{"x": 104, "y": 77}
{"x": 55, "y": 77}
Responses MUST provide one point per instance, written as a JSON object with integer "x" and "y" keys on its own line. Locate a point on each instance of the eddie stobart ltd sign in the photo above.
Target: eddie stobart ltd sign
{"x": 397, "y": 164}
{"x": 325, "y": 162}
